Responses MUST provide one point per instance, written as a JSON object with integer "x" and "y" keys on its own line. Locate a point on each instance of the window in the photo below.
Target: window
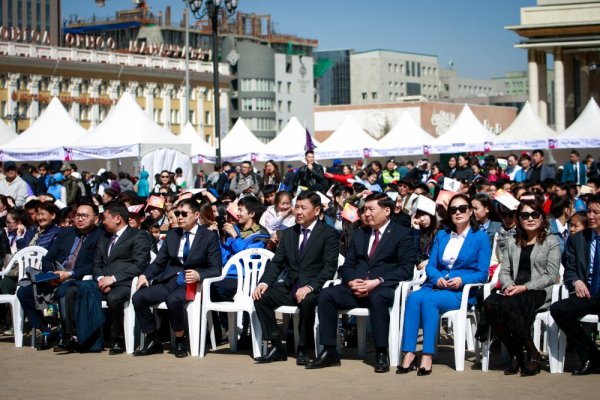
{"x": 279, "y": 103}
{"x": 207, "y": 118}
{"x": 289, "y": 87}
{"x": 374, "y": 95}
{"x": 289, "y": 106}
{"x": 364, "y": 95}
{"x": 413, "y": 89}
{"x": 278, "y": 86}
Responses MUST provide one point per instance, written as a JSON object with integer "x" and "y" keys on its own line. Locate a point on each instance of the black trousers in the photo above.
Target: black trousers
{"x": 115, "y": 300}
{"x": 278, "y": 295}
{"x": 567, "y": 313}
{"x": 340, "y": 297}
{"x": 169, "y": 292}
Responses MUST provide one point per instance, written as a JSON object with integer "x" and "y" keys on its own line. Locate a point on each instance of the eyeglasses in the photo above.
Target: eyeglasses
{"x": 164, "y": 176}
{"x": 184, "y": 214}
{"x": 82, "y": 216}
{"x": 163, "y": 194}
{"x": 462, "y": 209}
{"x": 526, "y": 215}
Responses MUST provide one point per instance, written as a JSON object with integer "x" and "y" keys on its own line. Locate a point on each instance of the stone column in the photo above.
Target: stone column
{"x": 224, "y": 112}
{"x": 94, "y": 92}
{"x": 54, "y": 86}
{"x": 200, "y": 107}
{"x": 13, "y": 87}
{"x": 34, "y": 90}
{"x": 543, "y": 86}
{"x": 167, "y": 92}
{"x": 184, "y": 106}
{"x": 113, "y": 92}
{"x": 534, "y": 90}
{"x": 74, "y": 89}
{"x": 559, "y": 91}
{"x": 149, "y": 94}
{"x": 584, "y": 82}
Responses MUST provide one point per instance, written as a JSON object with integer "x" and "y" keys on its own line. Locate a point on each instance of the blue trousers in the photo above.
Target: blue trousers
{"x": 423, "y": 309}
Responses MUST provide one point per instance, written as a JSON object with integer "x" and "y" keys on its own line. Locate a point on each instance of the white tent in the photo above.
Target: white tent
{"x": 289, "y": 144}
{"x": 126, "y": 132}
{"x": 47, "y": 137}
{"x": 240, "y": 144}
{"x": 349, "y": 140}
{"x": 527, "y": 131}
{"x": 406, "y": 138}
{"x": 6, "y": 134}
{"x": 464, "y": 135}
{"x": 584, "y": 132}
{"x": 202, "y": 152}
{"x": 168, "y": 159}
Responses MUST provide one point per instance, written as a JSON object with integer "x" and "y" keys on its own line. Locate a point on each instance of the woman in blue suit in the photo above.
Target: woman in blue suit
{"x": 460, "y": 255}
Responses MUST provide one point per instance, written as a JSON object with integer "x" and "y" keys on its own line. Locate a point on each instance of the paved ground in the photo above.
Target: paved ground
{"x": 26, "y": 373}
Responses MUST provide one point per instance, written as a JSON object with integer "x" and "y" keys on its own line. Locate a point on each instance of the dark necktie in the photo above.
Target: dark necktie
{"x": 113, "y": 240}
{"x": 482, "y": 228}
{"x": 375, "y": 244}
{"x": 305, "y": 233}
{"x": 70, "y": 263}
{"x": 595, "y": 285}
{"x": 186, "y": 246}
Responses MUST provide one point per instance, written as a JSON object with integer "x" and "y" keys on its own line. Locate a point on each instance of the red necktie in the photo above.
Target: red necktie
{"x": 374, "y": 245}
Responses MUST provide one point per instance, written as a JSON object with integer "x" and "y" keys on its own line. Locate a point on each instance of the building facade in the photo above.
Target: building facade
{"x": 332, "y": 77}
{"x": 567, "y": 33}
{"x": 26, "y": 18}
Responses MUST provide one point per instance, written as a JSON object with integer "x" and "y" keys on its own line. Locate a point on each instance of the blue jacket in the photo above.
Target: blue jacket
{"x": 45, "y": 239}
{"x": 569, "y": 175}
{"x": 233, "y": 246}
{"x": 471, "y": 265}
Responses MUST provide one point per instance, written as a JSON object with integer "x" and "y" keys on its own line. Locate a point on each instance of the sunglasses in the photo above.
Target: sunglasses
{"x": 163, "y": 194}
{"x": 526, "y": 215}
{"x": 164, "y": 176}
{"x": 462, "y": 209}
{"x": 184, "y": 214}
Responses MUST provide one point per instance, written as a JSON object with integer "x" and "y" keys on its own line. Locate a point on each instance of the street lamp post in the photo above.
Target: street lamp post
{"x": 212, "y": 9}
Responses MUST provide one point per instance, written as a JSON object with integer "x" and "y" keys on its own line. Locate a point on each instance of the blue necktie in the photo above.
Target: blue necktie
{"x": 595, "y": 286}
{"x": 186, "y": 246}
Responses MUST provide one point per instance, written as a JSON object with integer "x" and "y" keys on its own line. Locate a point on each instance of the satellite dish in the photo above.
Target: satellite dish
{"x": 451, "y": 64}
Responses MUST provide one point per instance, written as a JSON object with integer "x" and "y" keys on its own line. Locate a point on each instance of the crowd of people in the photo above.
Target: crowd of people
{"x": 458, "y": 221}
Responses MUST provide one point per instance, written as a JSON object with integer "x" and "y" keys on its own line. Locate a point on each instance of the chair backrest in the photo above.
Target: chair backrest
{"x": 28, "y": 257}
{"x": 250, "y": 265}
{"x": 419, "y": 275}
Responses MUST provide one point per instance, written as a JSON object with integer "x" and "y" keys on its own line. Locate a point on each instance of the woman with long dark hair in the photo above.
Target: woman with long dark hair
{"x": 271, "y": 175}
{"x": 530, "y": 266}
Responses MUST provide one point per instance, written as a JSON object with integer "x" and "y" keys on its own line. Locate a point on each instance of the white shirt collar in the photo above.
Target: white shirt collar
{"x": 193, "y": 230}
{"x": 383, "y": 228}
{"x": 561, "y": 228}
{"x": 311, "y": 227}
{"x": 462, "y": 235}
{"x": 120, "y": 232}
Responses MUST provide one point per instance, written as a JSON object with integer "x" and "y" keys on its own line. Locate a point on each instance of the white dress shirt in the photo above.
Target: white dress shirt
{"x": 182, "y": 242}
{"x": 453, "y": 247}
{"x": 372, "y": 237}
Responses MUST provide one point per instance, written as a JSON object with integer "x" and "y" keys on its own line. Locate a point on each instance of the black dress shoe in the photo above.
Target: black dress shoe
{"x": 327, "y": 358}
{"x": 424, "y": 372}
{"x": 532, "y": 367}
{"x": 180, "y": 350}
{"x": 301, "y": 357}
{"x": 516, "y": 364}
{"x": 411, "y": 367}
{"x": 151, "y": 347}
{"x": 382, "y": 362}
{"x": 66, "y": 346}
{"x": 45, "y": 342}
{"x": 587, "y": 368}
{"x": 118, "y": 347}
{"x": 275, "y": 354}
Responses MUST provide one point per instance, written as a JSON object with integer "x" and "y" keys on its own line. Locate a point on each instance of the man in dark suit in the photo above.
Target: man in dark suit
{"x": 379, "y": 257}
{"x": 74, "y": 250}
{"x": 121, "y": 255}
{"x": 582, "y": 277}
{"x": 574, "y": 171}
{"x": 189, "y": 254}
{"x": 308, "y": 253}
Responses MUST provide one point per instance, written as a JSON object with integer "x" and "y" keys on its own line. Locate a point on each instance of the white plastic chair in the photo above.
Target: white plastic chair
{"x": 250, "y": 265}
{"x": 542, "y": 319}
{"x": 557, "y": 340}
{"x": 407, "y": 287}
{"x": 28, "y": 257}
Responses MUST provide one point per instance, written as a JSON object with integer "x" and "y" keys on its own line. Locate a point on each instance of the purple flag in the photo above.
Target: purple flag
{"x": 309, "y": 145}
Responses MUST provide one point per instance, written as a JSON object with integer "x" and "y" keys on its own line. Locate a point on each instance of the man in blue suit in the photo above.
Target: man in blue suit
{"x": 574, "y": 171}
{"x": 379, "y": 257}
{"x": 74, "y": 250}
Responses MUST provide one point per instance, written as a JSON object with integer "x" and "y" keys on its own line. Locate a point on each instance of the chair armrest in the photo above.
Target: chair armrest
{"x": 487, "y": 289}
{"x": 332, "y": 282}
{"x": 559, "y": 292}
{"x": 465, "y": 295}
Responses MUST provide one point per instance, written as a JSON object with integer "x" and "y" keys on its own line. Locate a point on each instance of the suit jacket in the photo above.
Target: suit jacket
{"x": 313, "y": 179}
{"x": 547, "y": 172}
{"x": 471, "y": 265}
{"x": 128, "y": 257}
{"x": 61, "y": 248}
{"x": 317, "y": 265}
{"x": 204, "y": 256}
{"x": 577, "y": 257}
{"x": 569, "y": 175}
{"x": 544, "y": 264}
{"x": 394, "y": 259}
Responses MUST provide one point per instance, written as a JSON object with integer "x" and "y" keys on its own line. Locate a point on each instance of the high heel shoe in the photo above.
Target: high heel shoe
{"x": 412, "y": 366}
{"x": 424, "y": 372}
{"x": 532, "y": 368}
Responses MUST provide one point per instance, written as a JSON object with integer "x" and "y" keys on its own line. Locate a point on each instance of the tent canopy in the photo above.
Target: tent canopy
{"x": 406, "y": 138}
{"x": 583, "y": 133}
{"x": 349, "y": 140}
{"x": 6, "y": 134}
{"x": 46, "y": 137}
{"x": 127, "y": 132}
{"x": 464, "y": 135}
{"x": 527, "y": 131}
{"x": 240, "y": 144}
{"x": 289, "y": 144}
{"x": 201, "y": 151}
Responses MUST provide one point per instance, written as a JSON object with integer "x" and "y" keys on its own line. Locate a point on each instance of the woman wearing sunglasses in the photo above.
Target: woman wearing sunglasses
{"x": 530, "y": 265}
{"x": 460, "y": 255}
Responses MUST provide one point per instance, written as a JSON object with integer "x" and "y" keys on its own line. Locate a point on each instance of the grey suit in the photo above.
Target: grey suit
{"x": 545, "y": 265}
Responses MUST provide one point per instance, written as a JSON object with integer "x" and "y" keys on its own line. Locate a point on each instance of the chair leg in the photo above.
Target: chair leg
{"x": 316, "y": 333}
{"x": 470, "y": 335}
{"x": 193, "y": 315}
{"x": 553, "y": 344}
{"x": 361, "y": 328}
{"x": 537, "y": 329}
{"x": 256, "y": 334}
{"x": 296, "y": 322}
{"x": 485, "y": 352}
{"x": 128, "y": 327}
{"x": 17, "y": 324}
{"x": 205, "y": 318}
{"x": 233, "y": 337}
{"x": 459, "y": 342}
